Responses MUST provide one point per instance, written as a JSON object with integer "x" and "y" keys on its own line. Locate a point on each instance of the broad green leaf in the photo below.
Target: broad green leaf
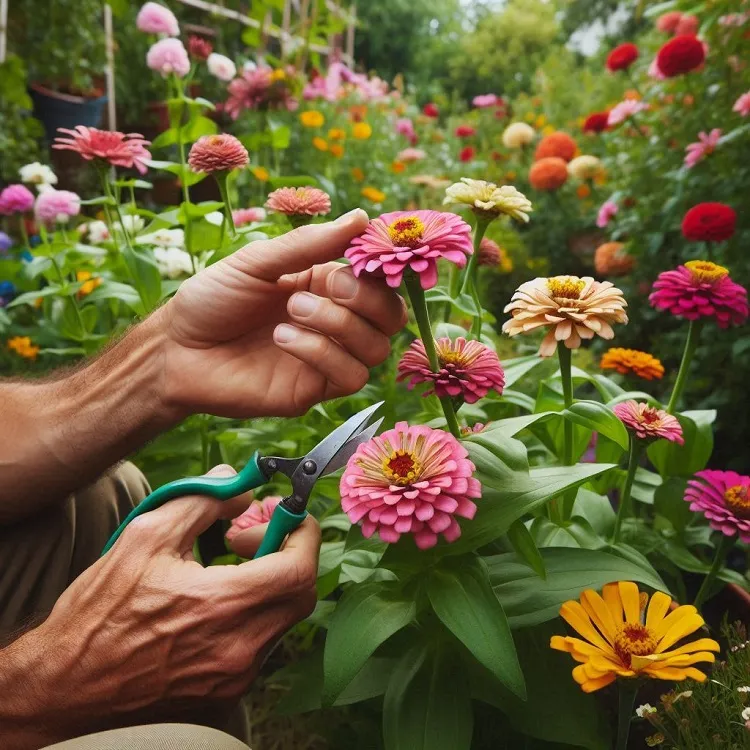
{"x": 463, "y": 599}
{"x": 645, "y": 485}
{"x": 669, "y": 502}
{"x": 281, "y": 137}
{"x": 497, "y": 455}
{"x": 599, "y": 418}
{"x": 197, "y": 127}
{"x": 516, "y": 368}
{"x": 525, "y": 547}
{"x": 672, "y": 460}
{"x": 197, "y": 210}
{"x": 116, "y": 290}
{"x": 29, "y": 298}
{"x": 366, "y": 616}
{"x": 574, "y": 533}
{"x": 596, "y": 509}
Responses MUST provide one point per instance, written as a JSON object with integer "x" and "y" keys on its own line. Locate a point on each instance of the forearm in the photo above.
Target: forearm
{"x": 60, "y": 434}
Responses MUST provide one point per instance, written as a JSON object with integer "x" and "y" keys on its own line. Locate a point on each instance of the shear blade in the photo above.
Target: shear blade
{"x": 349, "y": 448}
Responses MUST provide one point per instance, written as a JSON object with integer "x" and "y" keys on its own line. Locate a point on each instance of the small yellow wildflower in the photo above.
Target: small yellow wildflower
{"x": 358, "y": 174}
{"x": 23, "y": 347}
{"x": 361, "y": 130}
{"x": 320, "y": 143}
{"x": 91, "y": 282}
{"x": 336, "y": 134}
{"x": 336, "y": 150}
{"x": 373, "y": 194}
{"x": 540, "y": 121}
{"x": 278, "y": 75}
{"x": 260, "y": 173}
{"x": 311, "y": 118}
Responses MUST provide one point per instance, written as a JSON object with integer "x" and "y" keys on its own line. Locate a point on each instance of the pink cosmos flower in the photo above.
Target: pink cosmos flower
{"x": 401, "y": 240}
{"x": 168, "y": 56}
{"x": 648, "y": 423}
{"x": 56, "y": 206}
{"x": 606, "y": 213}
{"x": 153, "y": 18}
{"x": 217, "y": 153}
{"x": 701, "y": 289}
{"x": 410, "y": 480}
{"x": 16, "y": 199}
{"x": 111, "y": 146}
{"x": 705, "y": 145}
{"x": 468, "y": 369}
{"x": 259, "y": 512}
{"x": 299, "y": 201}
{"x": 485, "y": 100}
{"x": 409, "y": 155}
{"x": 724, "y": 499}
{"x": 625, "y": 109}
{"x": 243, "y": 216}
{"x": 742, "y": 105}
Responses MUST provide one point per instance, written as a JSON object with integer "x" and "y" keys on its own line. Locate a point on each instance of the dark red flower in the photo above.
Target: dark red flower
{"x": 622, "y": 57}
{"x": 464, "y": 131}
{"x": 596, "y": 122}
{"x": 709, "y": 222}
{"x": 430, "y": 109}
{"x": 466, "y": 153}
{"x": 199, "y": 48}
{"x": 679, "y": 55}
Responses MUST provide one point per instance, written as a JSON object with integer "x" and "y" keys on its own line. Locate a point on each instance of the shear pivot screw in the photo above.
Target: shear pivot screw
{"x": 309, "y": 467}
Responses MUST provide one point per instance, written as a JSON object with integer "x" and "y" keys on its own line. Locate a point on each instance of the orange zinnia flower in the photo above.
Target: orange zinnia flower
{"x": 23, "y": 347}
{"x": 320, "y": 143}
{"x": 627, "y": 361}
{"x": 373, "y": 194}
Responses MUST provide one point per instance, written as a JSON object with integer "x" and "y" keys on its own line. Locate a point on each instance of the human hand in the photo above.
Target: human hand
{"x": 148, "y": 634}
{"x": 277, "y": 326}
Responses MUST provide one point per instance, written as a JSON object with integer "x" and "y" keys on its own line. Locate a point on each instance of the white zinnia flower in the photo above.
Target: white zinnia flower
{"x": 221, "y": 67}
{"x": 163, "y": 238}
{"x": 584, "y": 167}
{"x": 488, "y": 198}
{"x": 743, "y": 689}
{"x": 37, "y": 174}
{"x": 172, "y": 262}
{"x": 97, "y": 232}
{"x": 215, "y": 217}
{"x": 746, "y": 714}
{"x": 518, "y": 134}
{"x": 645, "y": 710}
{"x": 132, "y": 223}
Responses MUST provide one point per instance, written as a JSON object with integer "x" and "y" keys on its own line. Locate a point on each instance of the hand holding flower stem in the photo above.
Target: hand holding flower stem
{"x": 722, "y": 549}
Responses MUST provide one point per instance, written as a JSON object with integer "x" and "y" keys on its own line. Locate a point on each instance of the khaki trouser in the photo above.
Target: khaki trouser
{"x": 40, "y": 557}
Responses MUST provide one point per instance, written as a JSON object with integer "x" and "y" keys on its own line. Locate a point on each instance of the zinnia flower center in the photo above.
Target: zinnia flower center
{"x": 401, "y": 467}
{"x": 633, "y": 639}
{"x": 738, "y": 499}
{"x": 565, "y": 287}
{"x": 705, "y": 271}
{"x": 406, "y": 232}
{"x": 650, "y": 415}
{"x": 452, "y": 358}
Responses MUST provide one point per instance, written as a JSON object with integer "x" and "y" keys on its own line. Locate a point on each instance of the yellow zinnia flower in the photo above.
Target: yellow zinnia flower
{"x": 260, "y": 173}
{"x": 373, "y": 194}
{"x": 278, "y": 75}
{"x": 624, "y": 638}
{"x": 336, "y": 150}
{"x": 336, "y": 134}
{"x": 23, "y": 347}
{"x": 312, "y": 118}
{"x": 489, "y": 199}
{"x": 91, "y": 282}
{"x": 320, "y": 143}
{"x": 626, "y": 361}
{"x": 358, "y": 174}
{"x": 361, "y": 130}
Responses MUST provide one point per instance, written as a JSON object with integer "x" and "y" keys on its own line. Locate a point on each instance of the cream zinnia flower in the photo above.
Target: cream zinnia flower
{"x": 517, "y": 135}
{"x": 489, "y": 199}
{"x": 584, "y": 167}
{"x": 571, "y": 308}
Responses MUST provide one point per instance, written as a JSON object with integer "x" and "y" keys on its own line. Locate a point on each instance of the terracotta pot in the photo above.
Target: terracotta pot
{"x": 57, "y": 110}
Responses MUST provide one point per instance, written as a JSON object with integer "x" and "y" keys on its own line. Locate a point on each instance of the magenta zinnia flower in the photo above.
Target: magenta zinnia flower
{"x": 724, "y": 499}
{"x": 299, "y": 201}
{"x": 244, "y": 216}
{"x": 467, "y": 368}
{"x": 648, "y": 423}
{"x": 704, "y": 146}
{"x": 217, "y": 153}
{"x": 56, "y": 206}
{"x": 111, "y": 146}
{"x": 153, "y": 18}
{"x": 606, "y": 213}
{"x": 701, "y": 289}
{"x": 401, "y": 240}
{"x": 16, "y": 199}
{"x": 258, "y": 513}
{"x": 168, "y": 56}
{"x": 410, "y": 480}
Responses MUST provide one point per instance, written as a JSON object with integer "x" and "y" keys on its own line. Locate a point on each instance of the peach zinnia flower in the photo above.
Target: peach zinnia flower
{"x": 610, "y": 259}
{"x": 118, "y": 149}
{"x": 415, "y": 240}
{"x": 549, "y": 173}
{"x": 299, "y": 201}
{"x": 625, "y": 109}
{"x": 648, "y": 423}
{"x": 627, "y": 361}
{"x": 468, "y": 369}
{"x": 558, "y": 144}
{"x": 570, "y": 308}
{"x": 623, "y": 634}
{"x": 410, "y": 480}
{"x": 217, "y": 153}
{"x": 724, "y": 499}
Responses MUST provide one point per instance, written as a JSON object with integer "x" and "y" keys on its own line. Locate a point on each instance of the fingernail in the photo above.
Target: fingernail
{"x": 304, "y": 304}
{"x": 284, "y": 334}
{"x": 350, "y": 216}
{"x": 344, "y": 284}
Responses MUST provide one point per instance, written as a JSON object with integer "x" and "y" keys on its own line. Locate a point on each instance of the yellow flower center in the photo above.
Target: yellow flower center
{"x": 633, "y": 639}
{"x": 705, "y": 270}
{"x": 738, "y": 499}
{"x": 401, "y": 467}
{"x": 451, "y": 358}
{"x": 566, "y": 287}
{"x": 406, "y": 231}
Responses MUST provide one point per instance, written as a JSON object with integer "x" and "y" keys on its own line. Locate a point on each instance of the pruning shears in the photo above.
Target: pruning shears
{"x": 326, "y": 457}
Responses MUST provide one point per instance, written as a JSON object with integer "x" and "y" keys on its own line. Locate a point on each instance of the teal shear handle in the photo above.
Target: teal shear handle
{"x": 283, "y": 521}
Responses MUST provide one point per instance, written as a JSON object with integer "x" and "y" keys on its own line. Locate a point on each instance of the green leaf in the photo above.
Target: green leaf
{"x": 28, "y": 298}
{"x": 497, "y": 455}
{"x": 116, "y": 290}
{"x": 281, "y": 137}
{"x": 366, "y": 616}
{"x": 645, "y": 485}
{"x": 599, "y": 418}
{"x": 525, "y": 547}
{"x": 516, "y": 368}
{"x": 574, "y": 533}
{"x": 463, "y": 599}
{"x": 102, "y": 200}
{"x": 198, "y": 210}
{"x": 669, "y": 502}
{"x": 197, "y": 127}
{"x": 671, "y": 459}
{"x": 167, "y": 138}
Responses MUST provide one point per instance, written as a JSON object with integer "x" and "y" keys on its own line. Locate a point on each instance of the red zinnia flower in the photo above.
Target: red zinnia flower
{"x": 199, "y": 48}
{"x": 217, "y": 153}
{"x": 557, "y": 144}
{"x": 679, "y": 55}
{"x": 709, "y": 222}
{"x": 465, "y": 131}
{"x": 118, "y": 149}
{"x": 466, "y": 153}
{"x": 596, "y": 122}
{"x": 430, "y": 109}
{"x": 622, "y": 57}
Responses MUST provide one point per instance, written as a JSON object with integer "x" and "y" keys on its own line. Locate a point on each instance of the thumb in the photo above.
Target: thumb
{"x": 299, "y": 249}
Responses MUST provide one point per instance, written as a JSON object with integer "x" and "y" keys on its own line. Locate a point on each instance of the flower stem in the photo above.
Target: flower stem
{"x": 725, "y": 544}
{"x": 691, "y": 344}
{"x": 628, "y": 688}
{"x": 634, "y": 457}
{"x": 419, "y": 306}
{"x": 72, "y": 298}
{"x": 24, "y": 233}
{"x": 222, "y": 178}
{"x": 184, "y": 171}
{"x": 563, "y": 354}
{"x": 469, "y": 285}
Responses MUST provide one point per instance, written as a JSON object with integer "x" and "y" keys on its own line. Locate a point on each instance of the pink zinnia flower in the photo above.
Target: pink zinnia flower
{"x": 405, "y": 127}
{"x": 255, "y": 89}
{"x": 688, "y": 24}
{"x": 648, "y": 423}
{"x": 56, "y": 206}
{"x": 742, "y": 105}
{"x": 111, "y": 146}
{"x": 701, "y": 289}
{"x": 409, "y": 155}
{"x": 217, "y": 153}
{"x": 485, "y": 100}
{"x": 16, "y": 199}
{"x": 168, "y": 56}
{"x": 606, "y": 213}
{"x": 489, "y": 253}
{"x": 299, "y": 201}
{"x": 401, "y": 240}
{"x": 244, "y": 216}
{"x": 667, "y": 22}
{"x": 468, "y": 369}
{"x": 724, "y": 499}
{"x": 625, "y": 109}
{"x": 705, "y": 145}
{"x": 153, "y": 18}
{"x": 259, "y": 512}
{"x": 410, "y": 480}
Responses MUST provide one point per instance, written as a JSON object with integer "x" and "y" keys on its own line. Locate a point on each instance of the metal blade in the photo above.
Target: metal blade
{"x": 350, "y": 447}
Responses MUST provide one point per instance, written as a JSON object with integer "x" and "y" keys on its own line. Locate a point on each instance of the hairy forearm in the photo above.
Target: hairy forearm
{"x": 59, "y": 434}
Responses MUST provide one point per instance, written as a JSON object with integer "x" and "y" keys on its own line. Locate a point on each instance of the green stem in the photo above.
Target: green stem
{"x": 72, "y": 299}
{"x": 634, "y": 457}
{"x": 419, "y": 306}
{"x": 454, "y": 282}
{"x": 184, "y": 171}
{"x": 205, "y": 445}
{"x": 628, "y": 690}
{"x": 222, "y": 178}
{"x": 24, "y": 233}
{"x": 725, "y": 544}
{"x": 691, "y": 345}
{"x": 563, "y": 354}
{"x": 469, "y": 285}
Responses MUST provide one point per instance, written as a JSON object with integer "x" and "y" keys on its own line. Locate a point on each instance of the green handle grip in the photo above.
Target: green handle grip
{"x": 221, "y": 488}
{"x": 283, "y": 522}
